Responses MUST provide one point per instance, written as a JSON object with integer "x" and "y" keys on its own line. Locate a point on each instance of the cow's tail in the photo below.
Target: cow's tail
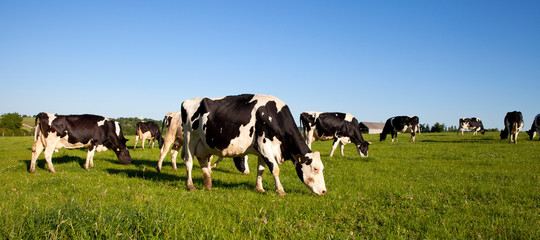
{"x": 160, "y": 139}
{"x": 41, "y": 126}
{"x": 37, "y": 127}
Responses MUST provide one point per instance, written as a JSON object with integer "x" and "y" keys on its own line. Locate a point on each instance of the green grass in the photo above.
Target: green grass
{"x": 443, "y": 186}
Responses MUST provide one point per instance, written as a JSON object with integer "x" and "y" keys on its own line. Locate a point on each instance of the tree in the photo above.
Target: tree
{"x": 11, "y": 121}
{"x": 438, "y": 127}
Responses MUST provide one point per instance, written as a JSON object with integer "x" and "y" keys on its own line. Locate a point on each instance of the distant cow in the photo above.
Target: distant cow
{"x": 472, "y": 124}
{"x": 342, "y": 127}
{"x": 175, "y": 138}
{"x": 147, "y": 131}
{"x": 248, "y": 124}
{"x": 513, "y": 123}
{"x": 77, "y": 131}
{"x": 400, "y": 124}
{"x": 535, "y": 127}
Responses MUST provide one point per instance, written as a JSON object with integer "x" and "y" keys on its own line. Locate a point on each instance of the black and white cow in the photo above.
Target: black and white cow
{"x": 248, "y": 124}
{"x": 535, "y": 128}
{"x": 77, "y": 131}
{"x": 472, "y": 124}
{"x": 513, "y": 123}
{"x": 342, "y": 127}
{"x": 175, "y": 138}
{"x": 147, "y": 131}
{"x": 400, "y": 124}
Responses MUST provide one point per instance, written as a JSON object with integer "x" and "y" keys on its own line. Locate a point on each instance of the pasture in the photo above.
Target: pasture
{"x": 443, "y": 186}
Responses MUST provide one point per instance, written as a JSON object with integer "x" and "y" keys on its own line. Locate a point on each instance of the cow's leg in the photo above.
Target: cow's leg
{"x": 309, "y": 138}
{"x": 174, "y": 153}
{"x": 260, "y": 170}
{"x": 37, "y": 148}
{"x": 205, "y": 167}
{"x": 142, "y": 142}
{"x": 49, "y": 150}
{"x": 413, "y": 136}
{"x": 190, "y": 144}
{"x": 342, "y": 146}
{"x": 90, "y": 157}
{"x": 153, "y": 142}
{"x": 136, "y": 140}
{"x": 334, "y": 146}
{"x": 217, "y": 162}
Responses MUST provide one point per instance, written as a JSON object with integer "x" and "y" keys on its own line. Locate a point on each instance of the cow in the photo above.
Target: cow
{"x": 343, "y": 128}
{"x": 513, "y": 123}
{"x": 472, "y": 124}
{"x": 147, "y": 131}
{"x": 400, "y": 124}
{"x": 175, "y": 138}
{"x": 237, "y": 125}
{"x": 535, "y": 127}
{"x": 76, "y": 131}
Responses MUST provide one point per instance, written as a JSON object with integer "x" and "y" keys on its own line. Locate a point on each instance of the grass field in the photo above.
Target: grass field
{"x": 443, "y": 186}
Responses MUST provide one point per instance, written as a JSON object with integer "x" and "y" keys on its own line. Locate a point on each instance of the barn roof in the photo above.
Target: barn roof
{"x": 373, "y": 125}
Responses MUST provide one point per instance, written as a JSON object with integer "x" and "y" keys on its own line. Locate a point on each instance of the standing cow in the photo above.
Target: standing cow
{"x": 342, "y": 127}
{"x": 248, "y": 124}
{"x": 472, "y": 124}
{"x": 175, "y": 138}
{"x": 77, "y": 131}
{"x": 535, "y": 127}
{"x": 147, "y": 131}
{"x": 400, "y": 124}
{"x": 513, "y": 123}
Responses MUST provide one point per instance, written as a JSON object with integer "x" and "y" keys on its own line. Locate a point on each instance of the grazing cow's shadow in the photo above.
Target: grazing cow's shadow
{"x": 174, "y": 180}
{"x": 458, "y": 141}
{"x": 59, "y": 160}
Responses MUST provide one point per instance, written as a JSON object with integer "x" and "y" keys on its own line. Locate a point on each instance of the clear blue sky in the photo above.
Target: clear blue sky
{"x": 439, "y": 60}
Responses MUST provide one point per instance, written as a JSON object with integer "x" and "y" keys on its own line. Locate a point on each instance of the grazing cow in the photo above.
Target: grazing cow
{"x": 77, "y": 131}
{"x": 400, "y": 124}
{"x": 534, "y": 128}
{"x": 248, "y": 124}
{"x": 147, "y": 131}
{"x": 513, "y": 123}
{"x": 472, "y": 124}
{"x": 342, "y": 127}
{"x": 175, "y": 137}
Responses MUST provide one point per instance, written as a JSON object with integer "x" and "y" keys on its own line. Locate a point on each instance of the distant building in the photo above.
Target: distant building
{"x": 371, "y": 127}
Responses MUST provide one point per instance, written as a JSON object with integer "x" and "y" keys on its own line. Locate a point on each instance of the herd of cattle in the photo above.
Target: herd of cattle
{"x": 235, "y": 126}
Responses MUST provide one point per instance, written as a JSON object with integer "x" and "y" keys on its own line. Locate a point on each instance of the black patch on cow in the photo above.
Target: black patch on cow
{"x": 239, "y": 163}
{"x": 512, "y": 118}
{"x": 225, "y": 118}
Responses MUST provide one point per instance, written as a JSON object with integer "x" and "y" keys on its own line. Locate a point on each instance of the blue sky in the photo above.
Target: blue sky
{"x": 439, "y": 60}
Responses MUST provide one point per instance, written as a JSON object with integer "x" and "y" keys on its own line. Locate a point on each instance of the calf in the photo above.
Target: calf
{"x": 534, "y": 128}
{"x": 513, "y": 123}
{"x": 248, "y": 124}
{"x": 472, "y": 124}
{"x": 342, "y": 127}
{"x": 175, "y": 138}
{"x": 77, "y": 131}
{"x": 147, "y": 131}
{"x": 400, "y": 124}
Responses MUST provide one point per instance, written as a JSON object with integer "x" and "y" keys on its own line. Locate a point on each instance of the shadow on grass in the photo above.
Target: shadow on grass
{"x": 41, "y": 163}
{"x": 459, "y": 141}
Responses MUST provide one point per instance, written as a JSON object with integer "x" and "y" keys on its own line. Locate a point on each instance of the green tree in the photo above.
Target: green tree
{"x": 11, "y": 121}
{"x": 438, "y": 127}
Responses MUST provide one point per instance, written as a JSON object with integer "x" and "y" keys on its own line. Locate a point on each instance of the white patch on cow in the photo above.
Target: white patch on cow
{"x": 117, "y": 128}
{"x": 51, "y": 118}
{"x": 101, "y": 148}
{"x": 270, "y": 119}
{"x": 270, "y": 148}
{"x": 101, "y": 123}
{"x": 348, "y": 117}
{"x": 263, "y": 99}
{"x": 240, "y": 144}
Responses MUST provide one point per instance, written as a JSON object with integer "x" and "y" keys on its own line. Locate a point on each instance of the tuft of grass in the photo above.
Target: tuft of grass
{"x": 442, "y": 186}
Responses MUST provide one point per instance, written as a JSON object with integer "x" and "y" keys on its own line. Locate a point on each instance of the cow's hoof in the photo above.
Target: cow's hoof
{"x": 261, "y": 190}
{"x": 246, "y": 172}
{"x": 52, "y": 171}
{"x": 85, "y": 166}
{"x": 32, "y": 171}
{"x": 158, "y": 170}
{"x": 192, "y": 188}
{"x": 281, "y": 193}
{"x": 213, "y": 166}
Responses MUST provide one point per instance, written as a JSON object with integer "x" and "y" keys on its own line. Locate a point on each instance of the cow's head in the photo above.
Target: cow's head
{"x": 532, "y": 134}
{"x": 362, "y": 148}
{"x": 382, "y": 136}
{"x": 118, "y": 145}
{"x": 310, "y": 170}
{"x": 504, "y": 133}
